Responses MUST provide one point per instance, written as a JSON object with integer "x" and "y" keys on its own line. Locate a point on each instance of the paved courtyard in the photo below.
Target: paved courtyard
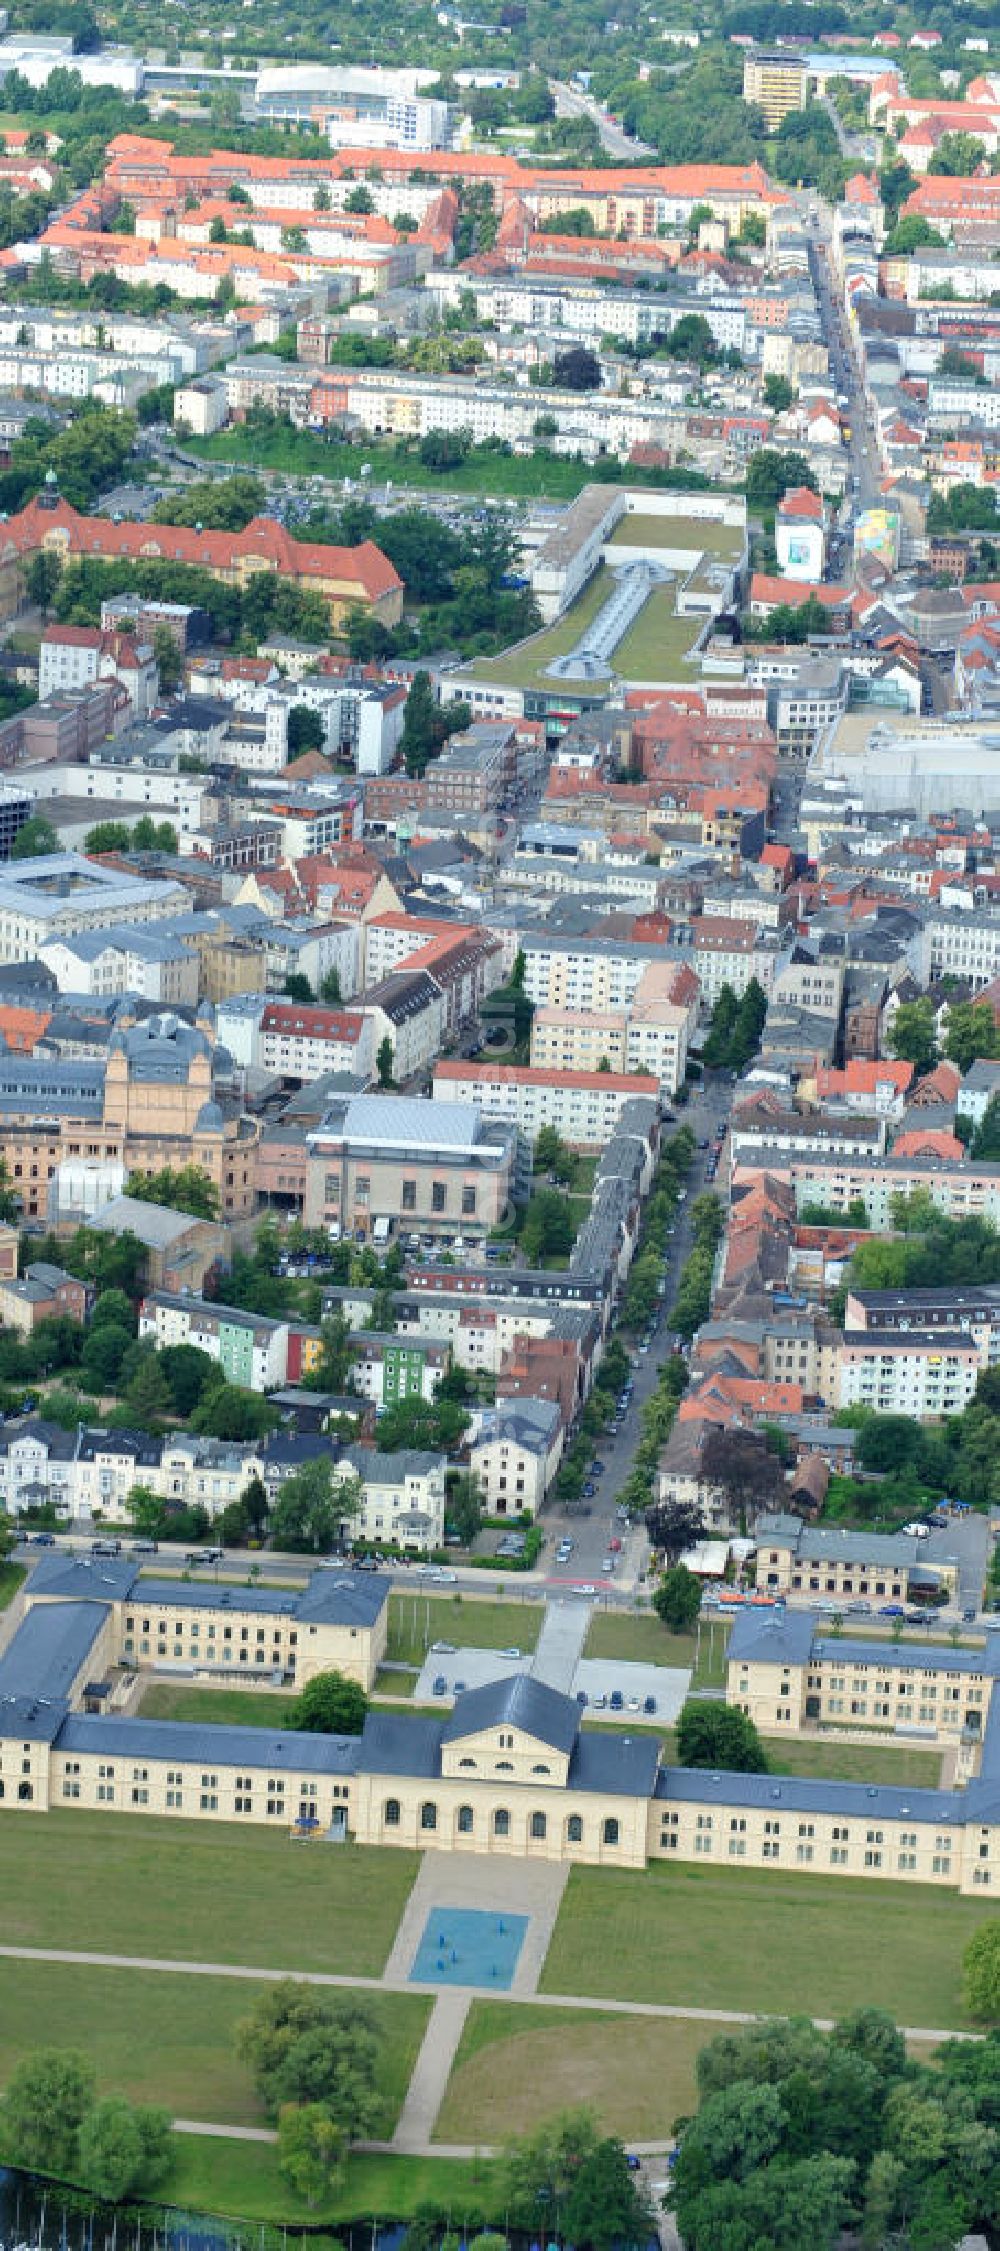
{"x": 590, "y": 1676}
{"x": 600, "y": 1676}
{"x": 467, "y": 1668}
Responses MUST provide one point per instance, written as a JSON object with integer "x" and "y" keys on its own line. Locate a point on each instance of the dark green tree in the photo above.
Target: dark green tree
{"x": 719, "y": 1736}
{"x": 677, "y": 1599}
{"x": 329, "y": 1704}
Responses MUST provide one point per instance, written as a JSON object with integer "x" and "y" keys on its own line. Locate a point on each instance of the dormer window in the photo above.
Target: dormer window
{"x": 506, "y": 1742}
{"x": 505, "y": 1766}
{"x": 541, "y": 1770}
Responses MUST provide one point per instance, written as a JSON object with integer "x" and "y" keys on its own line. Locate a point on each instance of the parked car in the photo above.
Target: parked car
{"x": 650, "y": 1704}
{"x": 894, "y": 1610}
{"x": 114, "y": 1547}
{"x": 616, "y": 1700}
{"x": 41, "y": 1539}
{"x": 440, "y": 1685}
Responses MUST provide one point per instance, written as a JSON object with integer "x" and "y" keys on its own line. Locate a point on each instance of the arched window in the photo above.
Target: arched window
{"x": 428, "y": 1815}
{"x": 610, "y": 1831}
{"x": 25, "y": 1792}
{"x": 465, "y": 1821}
{"x": 541, "y": 1770}
{"x": 466, "y": 1762}
{"x": 538, "y": 1825}
{"x": 574, "y": 1829}
{"x": 505, "y": 1766}
{"x": 391, "y": 1814}
{"x": 501, "y": 1822}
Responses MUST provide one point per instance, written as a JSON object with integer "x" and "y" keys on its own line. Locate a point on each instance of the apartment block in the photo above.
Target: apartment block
{"x": 923, "y": 1375}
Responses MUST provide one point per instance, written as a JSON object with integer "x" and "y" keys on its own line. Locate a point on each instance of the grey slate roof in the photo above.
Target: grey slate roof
{"x": 519, "y": 1702}
{"x": 115, "y": 1737}
{"x": 156, "y": 1225}
{"x": 620, "y": 1766}
{"x": 796, "y": 1794}
{"x": 84, "y": 1578}
{"x": 332, "y": 1598}
{"x": 395, "y": 1743}
{"x": 770, "y": 1637}
{"x": 50, "y": 1648}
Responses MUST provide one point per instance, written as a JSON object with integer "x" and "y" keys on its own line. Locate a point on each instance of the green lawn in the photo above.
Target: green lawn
{"x": 241, "y": 2181}
{"x": 222, "y": 1707}
{"x": 763, "y": 1939}
{"x": 640, "y": 1637}
{"x": 527, "y": 663}
{"x": 686, "y": 532}
{"x": 171, "y": 2040}
{"x": 300, "y": 453}
{"x": 654, "y": 648}
{"x": 517, "y": 2065}
{"x": 198, "y": 1891}
{"x": 417, "y": 1620}
{"x": 821, "y": 1756}
{"x": 660, "y": 642}
{"x": 396, "y": 1683}
{"x": 12, "y": 1576}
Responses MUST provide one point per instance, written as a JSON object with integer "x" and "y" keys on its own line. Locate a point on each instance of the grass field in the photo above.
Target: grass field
{"x": 528, "y": 663}
{"x": 659, "y": 643}
{"x": 515, "y": 2066}
{"x": 221, "y": 1707}
{"x": 12, "y": 1576}
{"x": 299, "y": 453}
{"x": 241, "y": 2180}
{"x": 195, "y": 1891}
{"x": 416, "y": 1620}
{"x": 170, "y": 2040}
{"x": 823, "y": 1757}
{"x": 654, "y": 648}
{"x": 643, "y": 1639}
{"x": 763, "y": 1939}
{"x": 684, "y": 532}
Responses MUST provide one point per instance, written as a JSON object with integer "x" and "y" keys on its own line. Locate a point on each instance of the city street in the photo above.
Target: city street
{"x": 705, "y": 1111}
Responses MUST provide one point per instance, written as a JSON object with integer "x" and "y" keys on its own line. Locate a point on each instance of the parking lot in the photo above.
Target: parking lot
{"x": 666, "y": 1685}
{"x": 593, "y": 1677}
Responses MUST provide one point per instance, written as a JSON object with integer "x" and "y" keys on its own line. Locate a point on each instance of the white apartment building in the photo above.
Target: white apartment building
{"x": 960, "y": 945}
{"x": 152, "y": 964}
{"x": 584, "y": 1106}
{"x": 404, "y": 1496}
{"x": 582, "y": 309}
{"x": 480, "y": 1332}
{"x": 600, "y": 973}
{"x": 923, "y": 1375}
{"x": 515, "y": 1455}
{"x": 299, "y": 1042}
{"x": 184, "y": 800}
{"x": 389, "y": 404}
{"x": 62, "y": 894}
{"x": 657, "y": 1041}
